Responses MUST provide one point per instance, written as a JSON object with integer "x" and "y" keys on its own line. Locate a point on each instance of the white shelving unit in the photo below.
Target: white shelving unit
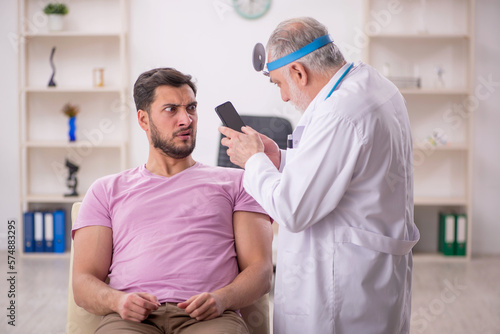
{"x": 91, "y": 39}
{"x": 412, "y": 39}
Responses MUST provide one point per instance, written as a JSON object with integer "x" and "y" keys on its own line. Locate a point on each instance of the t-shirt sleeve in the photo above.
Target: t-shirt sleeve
{"x": 245, "y": 202}
{"x": 94, "y": 210}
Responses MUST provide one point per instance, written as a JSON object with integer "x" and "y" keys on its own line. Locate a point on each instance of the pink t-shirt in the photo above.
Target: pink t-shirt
{"x": 172, "y": 236}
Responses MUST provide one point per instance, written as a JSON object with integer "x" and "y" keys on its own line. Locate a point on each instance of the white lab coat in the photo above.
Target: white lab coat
{"x": 344, "y": 202}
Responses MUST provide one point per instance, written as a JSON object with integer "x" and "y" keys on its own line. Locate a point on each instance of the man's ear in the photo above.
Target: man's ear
{"x": 143, "y": 119}
{"x": 299, "y": 74}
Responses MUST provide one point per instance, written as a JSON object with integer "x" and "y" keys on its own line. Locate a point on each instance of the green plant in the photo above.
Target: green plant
{"x": 56, "y": 8}
{"x": 70, "y": 110}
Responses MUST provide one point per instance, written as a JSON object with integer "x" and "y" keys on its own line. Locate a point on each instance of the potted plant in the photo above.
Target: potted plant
{"x": 55, "y": 13}
{"x": 71, "y": 111}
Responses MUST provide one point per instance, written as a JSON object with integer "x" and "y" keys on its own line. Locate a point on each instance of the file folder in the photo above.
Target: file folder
{"x": 48, "y": 241}
{"x": 461, "y": 235}
{"x": 38, "y": 231}
{"x": 59, "y": 231}
{"x": 447, "y": 234}
{"x": 29, "y": 232}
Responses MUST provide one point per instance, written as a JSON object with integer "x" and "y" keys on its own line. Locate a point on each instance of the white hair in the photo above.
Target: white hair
{"x": 293, "y": 34}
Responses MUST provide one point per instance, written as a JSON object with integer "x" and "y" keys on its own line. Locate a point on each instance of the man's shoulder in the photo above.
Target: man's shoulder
{"x": 122, "y": 176}
{"x": 220, "y": 172}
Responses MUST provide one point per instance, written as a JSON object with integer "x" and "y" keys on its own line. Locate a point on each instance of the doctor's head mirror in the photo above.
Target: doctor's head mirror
{"x": 259, "y": 58}
{"x": 259, "y": 54}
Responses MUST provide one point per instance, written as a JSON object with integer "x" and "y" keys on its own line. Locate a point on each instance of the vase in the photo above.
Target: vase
{"x": 72, "y": 128}
{"x": 55, "y": 22}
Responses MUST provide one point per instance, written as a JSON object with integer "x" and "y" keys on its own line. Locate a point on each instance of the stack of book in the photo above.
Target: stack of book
{"x": 44, "y": 231}
{"x": 453, "y": 234}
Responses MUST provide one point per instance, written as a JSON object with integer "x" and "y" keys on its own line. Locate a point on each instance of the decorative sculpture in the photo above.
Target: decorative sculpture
{"x": 52, "y": 82}
{"x": 71, "y": 111}
{"x": 98, "y": 77}
{"x": 72, "y": 181}
{"x": 439, "y": 81}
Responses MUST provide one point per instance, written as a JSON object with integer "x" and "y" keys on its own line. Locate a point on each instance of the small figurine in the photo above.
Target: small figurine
{"x": 72, "y": 181}
{"x": 52, "y": 83}
{"x": 439, "y": 82}
{"x": 98, "y": 77}
{"x": 71, "y": 111}
{"x": 438, "y": 138}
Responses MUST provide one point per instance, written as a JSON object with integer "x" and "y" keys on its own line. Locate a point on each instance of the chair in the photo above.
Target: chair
{"x": 276, "y": 128}
{"x": 80, "y": 321}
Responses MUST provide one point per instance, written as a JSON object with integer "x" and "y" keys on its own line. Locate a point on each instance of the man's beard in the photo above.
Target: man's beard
{"x": 168, "y": 147}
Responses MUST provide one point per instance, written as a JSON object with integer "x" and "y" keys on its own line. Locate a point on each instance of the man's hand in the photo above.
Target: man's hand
{"x": 137, "y": 306}
{"x": 204, "y": 306}
{"x": 241, "y": 146}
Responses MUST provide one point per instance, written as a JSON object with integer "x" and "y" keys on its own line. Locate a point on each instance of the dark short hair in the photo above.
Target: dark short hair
{"x": 145, "y": 86}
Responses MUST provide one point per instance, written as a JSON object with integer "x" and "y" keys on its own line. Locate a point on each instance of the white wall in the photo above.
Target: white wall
{"x": 208, "y": 40}
{"x": 9, "y": 121}
{"x": 486, "y": 184}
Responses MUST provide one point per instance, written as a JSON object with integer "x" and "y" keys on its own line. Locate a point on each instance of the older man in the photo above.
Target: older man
{"x": 343, "y": 195}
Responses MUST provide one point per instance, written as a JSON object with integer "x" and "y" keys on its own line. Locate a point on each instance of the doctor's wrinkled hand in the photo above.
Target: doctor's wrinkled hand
{"x": 241, "y": 146}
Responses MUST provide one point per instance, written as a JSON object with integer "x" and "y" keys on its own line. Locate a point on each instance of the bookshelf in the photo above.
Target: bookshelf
{"x": 91, "y": 39}
{"x": 420, "y": 39}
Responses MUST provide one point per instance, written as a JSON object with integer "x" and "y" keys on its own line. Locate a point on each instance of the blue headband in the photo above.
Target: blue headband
{"x": 305, "y": 50}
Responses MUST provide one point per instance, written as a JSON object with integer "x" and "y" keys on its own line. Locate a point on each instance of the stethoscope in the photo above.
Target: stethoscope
{"x": 339, "y": 80}
{"x": 289, "y": 139}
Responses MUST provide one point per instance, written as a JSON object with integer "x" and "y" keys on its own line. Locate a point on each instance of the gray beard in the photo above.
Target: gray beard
{"x": 299, "y": 97}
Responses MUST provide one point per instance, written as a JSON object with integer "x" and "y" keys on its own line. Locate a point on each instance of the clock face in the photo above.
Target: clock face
{"x": 251, "y": 9}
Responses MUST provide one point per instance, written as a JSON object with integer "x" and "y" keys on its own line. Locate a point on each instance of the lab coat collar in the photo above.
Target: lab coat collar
{"x": 323, "y": 93}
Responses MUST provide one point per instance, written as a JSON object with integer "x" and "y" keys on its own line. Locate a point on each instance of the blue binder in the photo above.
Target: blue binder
{"x": 29, "y": 232}
{"x": 59, "y": 231}
{"x": 39, "y": 231}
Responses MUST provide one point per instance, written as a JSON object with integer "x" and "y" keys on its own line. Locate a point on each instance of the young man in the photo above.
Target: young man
{"x": 184, "y": 246}
{"x": 343, "y": 194}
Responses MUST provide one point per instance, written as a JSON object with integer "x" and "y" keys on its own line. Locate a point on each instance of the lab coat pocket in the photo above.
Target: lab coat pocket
{"x": 369, "y": 289}
{"x": 297, "y": 275}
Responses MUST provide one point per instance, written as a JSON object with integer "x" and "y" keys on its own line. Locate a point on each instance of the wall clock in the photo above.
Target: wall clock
{"x": 251, "y": 9}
